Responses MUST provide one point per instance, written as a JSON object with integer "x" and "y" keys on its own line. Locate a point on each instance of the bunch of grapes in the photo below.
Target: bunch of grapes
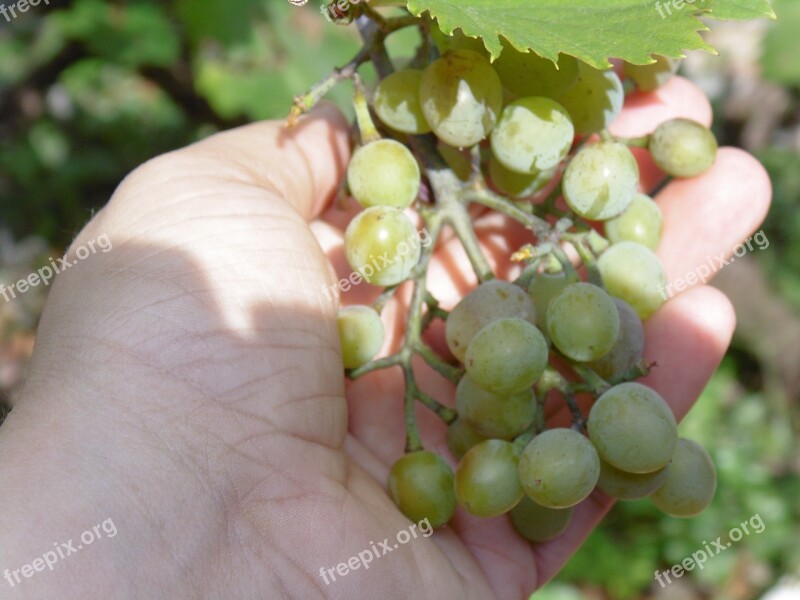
{"x": 529, "y": 139}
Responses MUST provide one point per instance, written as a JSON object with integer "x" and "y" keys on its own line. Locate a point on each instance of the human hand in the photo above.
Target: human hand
{"x": 188, "y": 384}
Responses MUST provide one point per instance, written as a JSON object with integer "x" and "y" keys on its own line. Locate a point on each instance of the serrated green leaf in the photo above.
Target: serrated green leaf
{"x": 740, "y": 10}
{"x": 590, "y": 30}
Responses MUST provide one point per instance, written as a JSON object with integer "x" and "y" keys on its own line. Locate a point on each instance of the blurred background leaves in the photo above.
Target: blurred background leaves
{"x": 89, "y": 89}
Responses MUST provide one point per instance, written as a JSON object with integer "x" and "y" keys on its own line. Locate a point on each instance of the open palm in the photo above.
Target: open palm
{"x": 188, "y": 383}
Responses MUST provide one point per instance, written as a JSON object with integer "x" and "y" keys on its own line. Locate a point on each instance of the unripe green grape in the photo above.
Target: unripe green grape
{"x": 461, "y": 437}
{"x": 683, "y": 148}
{"x": 533, "y": 134}
{"x": 583, "y": 321}
{"x": 494, "y": 415}
{"x": 382, "y": 245}
{"x": 629, "y": 486}
{"x": 594, "y": 100}
{"x": 396, "y": 102}
{"x": 528, "y": 74}
{"x": 628, "y": 350}
{"x": 487, "y": 479}
{"x": 651, "y": 77}
{"x": 384, "y": 173}
{"x": 633, "y": 428}
{"x": 544, "y": 287}
{"x": 361, "y": 333}
{"x": 641, "y": 222}
{"x": 634, "y": 274}
{"x": 537, "y": 523}
{"x": 518, "y": 185}
{"x": 506, "y": 356}
{"x": 457, "y": 41}
{"x": 461, "y": 97}
{"x": 559, "y": 468}
{"x": 601, "y": 180}
{"x": 488, "y": 302}
{"x": 421, "y": 485}
{"x": 457, "y": 160}
{"x": 690, "y": 484}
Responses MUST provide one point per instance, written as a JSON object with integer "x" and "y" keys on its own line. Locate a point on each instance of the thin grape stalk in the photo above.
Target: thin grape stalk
{"x": 455, "y": 102}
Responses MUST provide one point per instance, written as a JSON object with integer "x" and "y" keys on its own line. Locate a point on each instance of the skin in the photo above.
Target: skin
{"x": 188, "y": 385}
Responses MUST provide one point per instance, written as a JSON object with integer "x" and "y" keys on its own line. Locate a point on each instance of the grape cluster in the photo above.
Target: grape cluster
{"x": 569, "y": 328}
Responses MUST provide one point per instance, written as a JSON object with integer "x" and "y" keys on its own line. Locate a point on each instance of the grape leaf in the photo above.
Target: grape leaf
{"x": 589, "y": 30}
{"x": 741, "y": 10}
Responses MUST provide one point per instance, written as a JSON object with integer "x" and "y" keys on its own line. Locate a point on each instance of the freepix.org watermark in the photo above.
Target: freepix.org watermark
{"x": 714, "y": 263}
{"x": 56, "y": 266}
{"x": 18, "y": 7}
{"x": 376, "y": 264}
{"x": 754, "y": 524}
{"x": 363, "y": 558}
{"x": 664, "y": 7}
{"x": 62, "y": 550}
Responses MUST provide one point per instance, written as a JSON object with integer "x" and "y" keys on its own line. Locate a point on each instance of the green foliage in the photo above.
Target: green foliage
{"x": 782, "y": 45}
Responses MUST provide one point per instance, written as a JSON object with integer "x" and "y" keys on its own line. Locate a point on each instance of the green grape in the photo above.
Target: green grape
{"x": 594, "y": 100}
{"x": 634, "y": 274}
{"x": 544, "y": 287}
{"x": 601, "y": 180}
{"x": 461, "y": 97}
{"x": 559, "y": 468}
{"x": 361, "y": 333}
{"x": 683, "y": 148}
{"x": 518, "y": 185}
{"x": 461, "y": 437}
{"x": 641, "y": 222}
{"x": 382, "y": 245}
{"x": 533, "y": 134}
{"x": 583, "y": 321}
{"x": 384, "y": 173}
{"x": 456, "y": 160}
{"x": 528, "y": 74}
{"x": 493, "y": 415}
{"x": 506, "y": 356}
{"x": 421, "y": 485}
{"x": 487, "y": 479}
{"x": 629, "y": 486}
{"x": 627, "y": 351}
{"x": 396, "y": 102}
{"x": 690, "y": 484}
{"x": 651, "y": 77}
{"x": 457, "y": 41}
{"x": 633, "y": 428}
{"x": 537, "y": 523}
{"x": 488, "y": 302}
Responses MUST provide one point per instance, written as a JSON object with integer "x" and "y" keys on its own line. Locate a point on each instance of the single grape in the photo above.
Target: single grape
{"x": 421, "y": 485}
{"x": 528, "y": 74}
{"x": 494, "y": 415}
{"x": 594, "y": 100}
{"x": 396, "y": 102}
{"x": 488, "y": 302}
{"x": 651, "y": 77}
{"x": 690, "y": 484}
{"x": 461, "y": 437}
{"x": 641, "y": 222}
{"x": 628, "y": 350}
{"x": 634, "y": 274}
{"x": 361, "y": 333}
{"x": 533, "y": 134}
{"x": 461, "y": 97}
{"x": 583, "y": 321}
{"x": 384, "y": 173}
{"x": 601, "y": 180}
{"x": 629, "y": 486}
{"x": 683, "y": 148}
{"x": 506, "y": 356}
{"x": 537, "y": 523}
{"x": 457, "y": 160}
{"x": 457, "y": 41}
{"x": 382, "y": 245}
{"x": 633, "y": 428}
{"x": 544, "y": 287}
{"x": 559, "y": 468}
{"x": 518, "y": 185}
{"x": 487, "y": 479}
